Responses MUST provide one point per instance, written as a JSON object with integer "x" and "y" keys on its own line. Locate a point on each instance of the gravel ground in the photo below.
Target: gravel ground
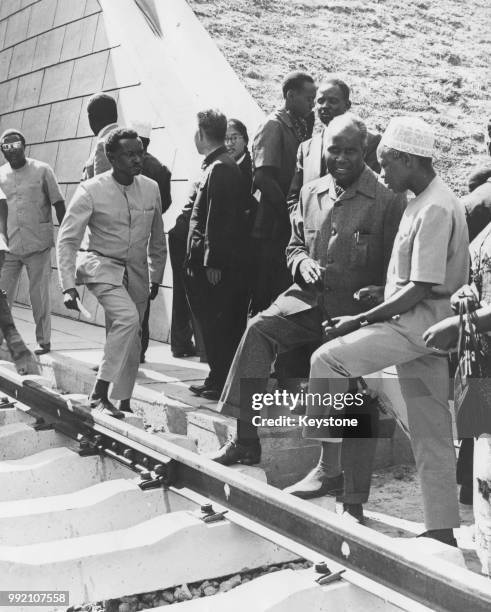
{"x": 426, "y": 58}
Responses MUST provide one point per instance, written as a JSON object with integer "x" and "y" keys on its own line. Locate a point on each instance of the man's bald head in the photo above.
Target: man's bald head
{"x": 345, "y": 146}
{"x": 348, "y": 122}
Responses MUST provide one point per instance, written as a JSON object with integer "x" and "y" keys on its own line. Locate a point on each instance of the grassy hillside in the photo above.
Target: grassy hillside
{"x": 430, "y": 58}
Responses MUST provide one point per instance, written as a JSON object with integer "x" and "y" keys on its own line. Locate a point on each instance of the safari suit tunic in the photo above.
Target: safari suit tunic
{"x": 122, "y": 251}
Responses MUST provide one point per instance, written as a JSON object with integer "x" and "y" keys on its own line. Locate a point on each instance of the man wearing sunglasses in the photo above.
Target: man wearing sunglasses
{"x": 31, "y": 188}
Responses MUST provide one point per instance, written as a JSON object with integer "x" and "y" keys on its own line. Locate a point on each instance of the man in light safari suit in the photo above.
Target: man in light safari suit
{"x": 123, "y": 249}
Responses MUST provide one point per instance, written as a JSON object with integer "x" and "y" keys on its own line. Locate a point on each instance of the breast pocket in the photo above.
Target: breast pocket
{"x": 141, "y": 221}
{"x": 359, "y": 250}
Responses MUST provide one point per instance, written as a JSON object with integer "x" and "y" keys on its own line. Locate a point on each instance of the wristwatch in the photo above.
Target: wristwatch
{"x": 364, "y": 322}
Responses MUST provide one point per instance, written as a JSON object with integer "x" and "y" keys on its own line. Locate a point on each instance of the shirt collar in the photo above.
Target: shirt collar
{"x": 366, "y": 184}
{"x": 212, "y": 156}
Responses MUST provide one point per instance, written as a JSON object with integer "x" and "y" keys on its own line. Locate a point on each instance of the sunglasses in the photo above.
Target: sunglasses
{"x": 11, "y": 146}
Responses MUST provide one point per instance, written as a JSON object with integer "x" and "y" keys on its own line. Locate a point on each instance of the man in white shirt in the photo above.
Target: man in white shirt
{"x": 122, "y": 252}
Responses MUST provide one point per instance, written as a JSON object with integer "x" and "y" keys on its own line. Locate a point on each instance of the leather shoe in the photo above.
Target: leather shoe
{"x": 316, "y": 484}
{"x": 235, "y": 452}
{"x": 353, "y": 512}
{"x": 42, "y": 349}
{"x": 106, "y": 407}
{"x": 442, "y": 535}
{"x": 211, "y": 394}
{"x": 198, "y": 389}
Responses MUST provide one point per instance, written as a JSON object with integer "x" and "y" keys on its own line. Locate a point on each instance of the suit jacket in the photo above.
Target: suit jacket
{"x": 125, "y": 234}
{"x": 310, "y": 166}
{"x": 350, "y": 235}
{"x": 218, "y": 215}
{"x": 98, "y": 162}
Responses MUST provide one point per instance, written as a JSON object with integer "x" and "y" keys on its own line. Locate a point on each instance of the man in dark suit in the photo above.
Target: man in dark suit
{"x": 212, "y": 258}
{"x": 333, "y": 99}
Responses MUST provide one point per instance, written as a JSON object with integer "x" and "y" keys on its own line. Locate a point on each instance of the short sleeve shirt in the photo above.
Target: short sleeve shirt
{"x": 275, "y": 145}
{"x": 30, "y": 192}
{"x": 430, "y": 247}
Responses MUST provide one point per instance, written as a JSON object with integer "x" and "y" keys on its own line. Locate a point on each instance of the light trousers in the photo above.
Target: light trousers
{"x": 424, "y": 381}
{"x": 38, "y": 267}
{"x": 121, "y": 357}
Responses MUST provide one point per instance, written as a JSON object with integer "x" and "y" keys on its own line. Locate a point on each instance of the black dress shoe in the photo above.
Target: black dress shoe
{"x": 105, "y": 406}
{"x": 234, "y": 452}
{"x": 442, "y": 535}
{"x": 189, "y": 352}
{"x": 353, "y": 512}
{"x": 316, "y": 484}
{"x": 124, "y": 406}
{"x": 211, "y": 394}
{"x": 198, "y": 389}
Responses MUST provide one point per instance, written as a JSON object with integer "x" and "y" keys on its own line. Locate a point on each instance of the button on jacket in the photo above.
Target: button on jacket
{"x": 350, "y": 235}
{"x": 30, "y": 192}
{"x": 124, "y": 234}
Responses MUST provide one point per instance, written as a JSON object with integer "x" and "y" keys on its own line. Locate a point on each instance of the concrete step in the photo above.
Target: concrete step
{"x": 14, "y": 415}
{"x": 286, "y": 458}
{"x": 287, "y": 591}
{"x": 159, "y": 553}
{"x": 54, "y": 472}
{"x": 18, "y": 440}
{"x": 108, "y": 506}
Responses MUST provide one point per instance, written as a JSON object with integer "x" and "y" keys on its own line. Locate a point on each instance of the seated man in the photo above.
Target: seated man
{"x": 346, "y": 226}
{"x": 428, "y": 263}
{"x": 122, "y": 252}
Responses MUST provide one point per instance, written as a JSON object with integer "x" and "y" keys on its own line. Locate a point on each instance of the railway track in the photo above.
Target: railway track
{"x": 104, "y": 511}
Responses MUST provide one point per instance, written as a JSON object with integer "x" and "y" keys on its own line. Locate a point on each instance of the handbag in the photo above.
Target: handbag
{"x": 472, "y": 382}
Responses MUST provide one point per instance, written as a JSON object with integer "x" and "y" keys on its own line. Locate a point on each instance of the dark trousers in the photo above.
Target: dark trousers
{"x": 181, "y": 331}
{"x": 221, "y": 313}
{"x": 269, "y": 277}
{"x": 273, "y": 333}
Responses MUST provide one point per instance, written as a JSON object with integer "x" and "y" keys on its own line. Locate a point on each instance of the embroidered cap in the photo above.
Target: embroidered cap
{"x": 142, "y": 128}
{"x": 410, "y": 135}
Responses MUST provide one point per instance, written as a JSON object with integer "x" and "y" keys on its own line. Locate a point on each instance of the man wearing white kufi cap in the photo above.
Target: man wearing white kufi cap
{"x": 429, "y": 262}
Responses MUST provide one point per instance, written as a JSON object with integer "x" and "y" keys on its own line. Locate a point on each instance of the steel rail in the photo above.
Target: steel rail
{"x": 440, "y": 585}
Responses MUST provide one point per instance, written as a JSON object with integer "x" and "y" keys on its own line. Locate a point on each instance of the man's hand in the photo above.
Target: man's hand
{"x": 70, "y": 297}
{"x": 444, "y": 335}
{"x": 464, "y": 292}
{"x": 310, "y": 270}
{"x": 370, "y": 296}
{"x": 213, "y": 275}
{"x": 154, "y": 290}
{"x": 340, "y": 326}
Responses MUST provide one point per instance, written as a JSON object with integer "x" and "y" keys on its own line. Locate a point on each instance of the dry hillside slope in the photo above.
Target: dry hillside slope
{"x": 431, "y": 58}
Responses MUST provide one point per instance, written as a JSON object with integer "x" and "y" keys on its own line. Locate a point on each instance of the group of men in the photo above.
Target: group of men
{"x": 342, "y": 274}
